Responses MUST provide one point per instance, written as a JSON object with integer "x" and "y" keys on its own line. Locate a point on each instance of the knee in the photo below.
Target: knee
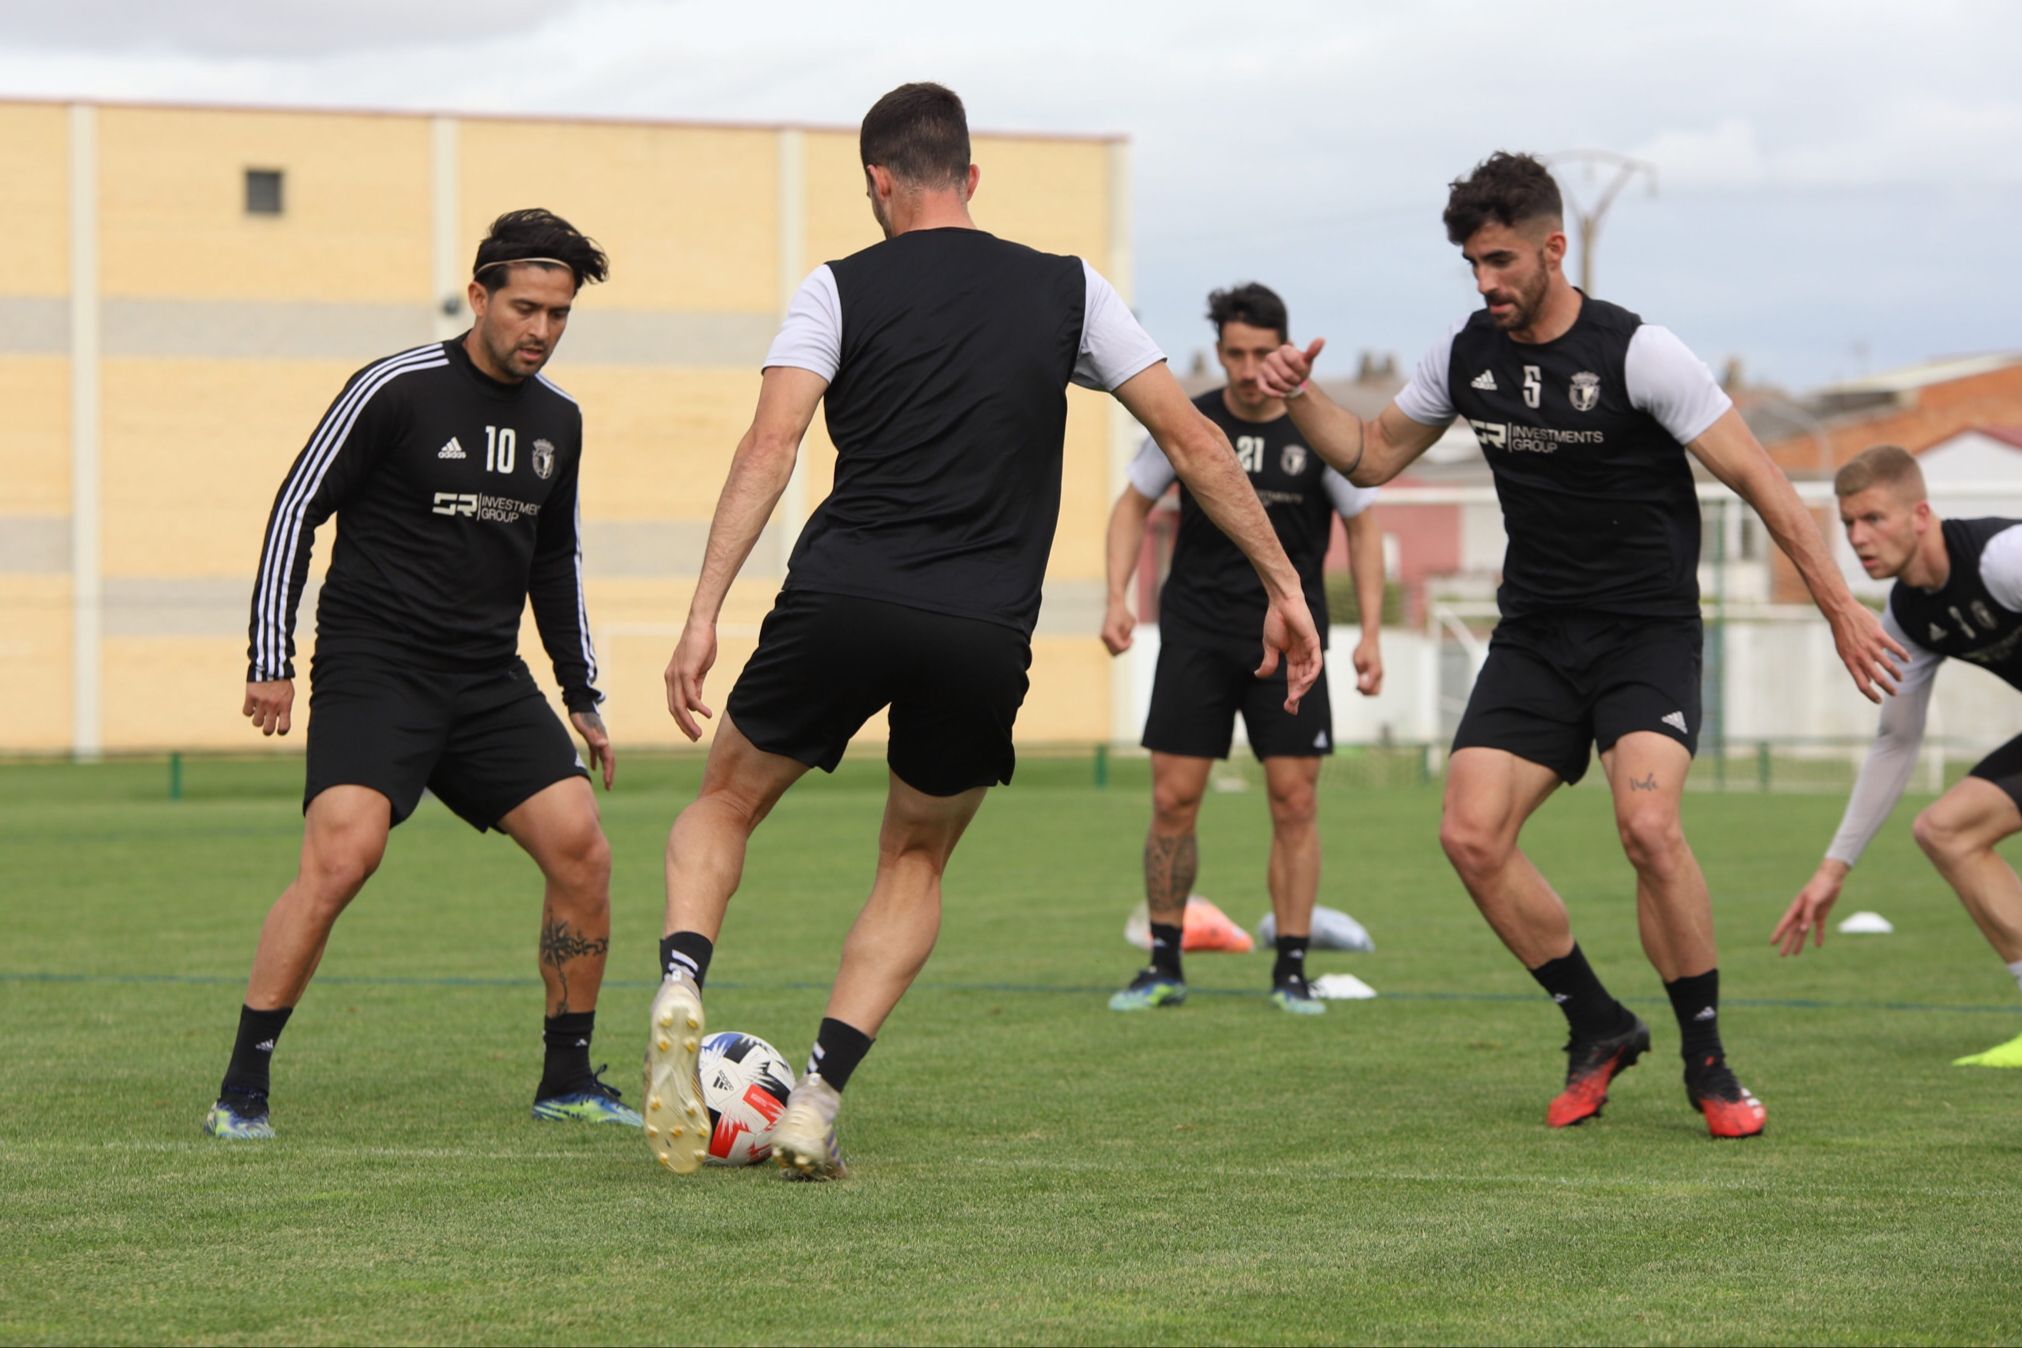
{"x": 1474, "y": 848}
{"x": 1940, "y": 838}
{"x": 1294, "y": 808}
{"x": 1174, "y": 808}
{"x": 581, "y": 864}
{"x": 332, "y": 874}
{"x": 1652, "y": 839}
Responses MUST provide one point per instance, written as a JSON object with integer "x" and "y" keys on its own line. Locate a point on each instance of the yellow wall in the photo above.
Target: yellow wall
{"x": 172, "y": 219}
{"x": 195, "y": 439}
{"x": 35, "y": 167}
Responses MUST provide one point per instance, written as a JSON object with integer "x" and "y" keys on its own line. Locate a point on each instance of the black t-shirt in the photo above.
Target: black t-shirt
{"x": 1963, "y": 619}
{"x": 455, "y": 498}
{"x": 1212, "y": 593}
{"x": 948, "y": 354}
{"x": 1585, "y": 436}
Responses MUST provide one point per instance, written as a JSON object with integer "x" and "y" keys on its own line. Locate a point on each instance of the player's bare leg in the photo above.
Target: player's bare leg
{"x": 1171, "y": 862}
{"x": 1294, "y": 875}
{"x": 343, "y": 839}
{"x": 558, "y": 827}
{"x": 705, "y": 862}
{"x": 1646, "y": 772}
{"x": 1490, "y": 793}
{"x": 884, "y": 951}
{"x": 1958, "y": 832}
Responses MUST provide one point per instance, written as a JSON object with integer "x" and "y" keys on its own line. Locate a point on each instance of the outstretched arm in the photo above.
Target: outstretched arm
{"x": 1206, "y": 462}
{"x": 1875, "y": 792}
{"x": 759, "y": 472}
{"x": 1365, "y": 563}
{"x": 1124, "y": 545}
{"x": 1730, "y": 452}
{"x": 1365, "y": 452}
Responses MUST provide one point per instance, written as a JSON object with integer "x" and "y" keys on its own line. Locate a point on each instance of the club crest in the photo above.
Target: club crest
{"x": 544, "y": 460}
{"x": 1293, "y": 460}
{"x": 1586, "y": 391}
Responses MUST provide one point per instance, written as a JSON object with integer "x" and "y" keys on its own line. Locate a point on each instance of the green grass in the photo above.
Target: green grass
{"x": 1029, "y": 1167}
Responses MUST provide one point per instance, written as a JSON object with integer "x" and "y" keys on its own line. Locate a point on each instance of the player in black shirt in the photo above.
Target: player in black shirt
{"x": 452, "y": 471}
{"x": 1584, "y": 413}
{"x": 1958, "y": 593}
{"x": 1210, "y": 598}
{"x": 943, "y": 356}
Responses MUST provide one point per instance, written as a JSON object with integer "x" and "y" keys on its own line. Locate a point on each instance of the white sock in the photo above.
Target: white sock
{"x": 2016, "y": 969}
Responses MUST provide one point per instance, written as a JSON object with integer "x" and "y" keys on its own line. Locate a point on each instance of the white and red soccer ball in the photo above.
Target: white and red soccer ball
{"x": 745, "y": 1084}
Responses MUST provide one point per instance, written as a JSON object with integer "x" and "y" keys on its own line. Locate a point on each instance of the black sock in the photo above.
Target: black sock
{"x": 1165, "y": 947}
{"x": 686, "y": 952}
{"x": 1696, "y": 1003}
{"x": 1589, "y": 1009}
{"x": 838, "y": 1048}
{"x": 253, "y": 1051}
{"x": 1291, "y": 960}
{"x": 567, "y": 1038}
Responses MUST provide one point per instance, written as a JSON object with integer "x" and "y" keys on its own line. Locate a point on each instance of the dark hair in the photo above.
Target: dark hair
{"x": 535, "y": 233}
{"x": 1510, "y": 189}
{"x": 1881, "y": 466}
{"x": 1250, "y": 303}
{"x": 920, "y": 133}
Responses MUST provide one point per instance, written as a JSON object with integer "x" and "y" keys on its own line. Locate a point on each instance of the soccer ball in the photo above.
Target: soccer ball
{"x": 745, "y": 1084}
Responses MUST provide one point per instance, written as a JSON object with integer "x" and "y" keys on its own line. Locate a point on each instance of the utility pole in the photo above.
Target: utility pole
{"x": 1588, "y": 221}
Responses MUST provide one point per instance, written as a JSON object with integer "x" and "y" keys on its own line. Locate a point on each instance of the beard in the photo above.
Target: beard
{"x": 1523, "y": 303}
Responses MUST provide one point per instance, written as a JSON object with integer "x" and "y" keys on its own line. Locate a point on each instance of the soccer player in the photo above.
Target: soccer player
{"x": 943, "y": 355}
{"x": 1585, "y": 413}
{"x": 452, "y": 471}
{"x": 1211, "y": 598}
{"x": 1958, "y": 592}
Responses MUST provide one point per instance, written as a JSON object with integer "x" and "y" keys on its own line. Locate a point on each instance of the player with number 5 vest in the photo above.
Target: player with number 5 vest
{"x": 1585, "y": 414}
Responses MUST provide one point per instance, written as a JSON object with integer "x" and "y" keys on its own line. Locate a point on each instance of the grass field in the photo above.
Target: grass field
{"x": 1029, "y": 1167}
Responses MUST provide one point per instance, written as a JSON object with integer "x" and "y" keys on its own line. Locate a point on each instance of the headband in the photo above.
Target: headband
{"x": 514, "y": 261}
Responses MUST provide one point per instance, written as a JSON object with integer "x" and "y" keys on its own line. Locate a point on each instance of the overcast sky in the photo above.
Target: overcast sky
{"x": 1834, "y": 179}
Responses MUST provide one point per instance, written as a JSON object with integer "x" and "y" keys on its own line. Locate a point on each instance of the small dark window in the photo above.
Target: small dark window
{"x": 263, "y": 191}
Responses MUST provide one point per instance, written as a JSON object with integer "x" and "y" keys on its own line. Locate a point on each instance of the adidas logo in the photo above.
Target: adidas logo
{"x": 1706, "y": 1013}
{"x": 1485, "y": 381}
{"x": 1676, "y": 720}
{"x": 1561, "y": 998}
{"x": 264, "y": 1046}
{"x": 452, "y": 450}
{"x": 1320, "y": 740}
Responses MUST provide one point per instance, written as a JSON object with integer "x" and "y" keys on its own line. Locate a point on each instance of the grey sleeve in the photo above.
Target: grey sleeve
{"x": 1424, "y": 399}
{"x": 810, "y": 337}
{"x": 1114, "y": 345}
{"x": 1671, "y": 384}
{"x": 1150, "y": 471}
{"x": 1894, "y": 755}
{"x": 2001, "y": 568}
{"x": 1349, "y": 500}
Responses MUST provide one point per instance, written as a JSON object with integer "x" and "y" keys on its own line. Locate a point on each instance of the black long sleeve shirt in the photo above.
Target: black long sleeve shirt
{"x": 455, "y": 498}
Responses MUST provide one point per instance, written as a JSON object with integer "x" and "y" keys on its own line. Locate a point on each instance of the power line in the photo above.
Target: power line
{"x": 1588, "y": 221}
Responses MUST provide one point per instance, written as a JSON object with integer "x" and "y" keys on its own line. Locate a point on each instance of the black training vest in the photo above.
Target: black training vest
{"x": 1962, "y": 619}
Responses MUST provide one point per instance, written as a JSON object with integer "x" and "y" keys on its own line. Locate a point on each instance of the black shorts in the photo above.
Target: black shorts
{"x": 1199, "y": 686}
{"x": 827, "y": 663}
{"x": 1556, "y": 685}
{"x": 483, "y": 743}
{"x": 2003, "y": 768}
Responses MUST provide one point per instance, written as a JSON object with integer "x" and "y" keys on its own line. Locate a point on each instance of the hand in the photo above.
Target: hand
{"x": 1288, "y": 367}
{"x": 1117, "y": 624}
{"x": 1288, "y": 631}
{"x": 693, "y": 657}
{"x": 1807, "y": 912}
{"x": 598, "y": 740}
{"x": 1368, "y": 667}
{"x": 1864, "y": 649}
{"x": 268, "y": 705}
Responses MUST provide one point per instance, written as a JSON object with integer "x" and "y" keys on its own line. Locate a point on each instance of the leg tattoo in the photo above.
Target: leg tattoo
{"x": 559, "y": 945}
{"x": 1169, "y": 868}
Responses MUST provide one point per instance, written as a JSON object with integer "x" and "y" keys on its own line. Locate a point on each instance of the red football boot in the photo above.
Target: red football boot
{"x": 1590, "y": 1065}
{"x": 1730, "y": 1110}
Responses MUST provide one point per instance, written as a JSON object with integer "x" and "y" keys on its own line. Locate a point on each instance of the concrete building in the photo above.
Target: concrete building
{"x": 189, "y": 287}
